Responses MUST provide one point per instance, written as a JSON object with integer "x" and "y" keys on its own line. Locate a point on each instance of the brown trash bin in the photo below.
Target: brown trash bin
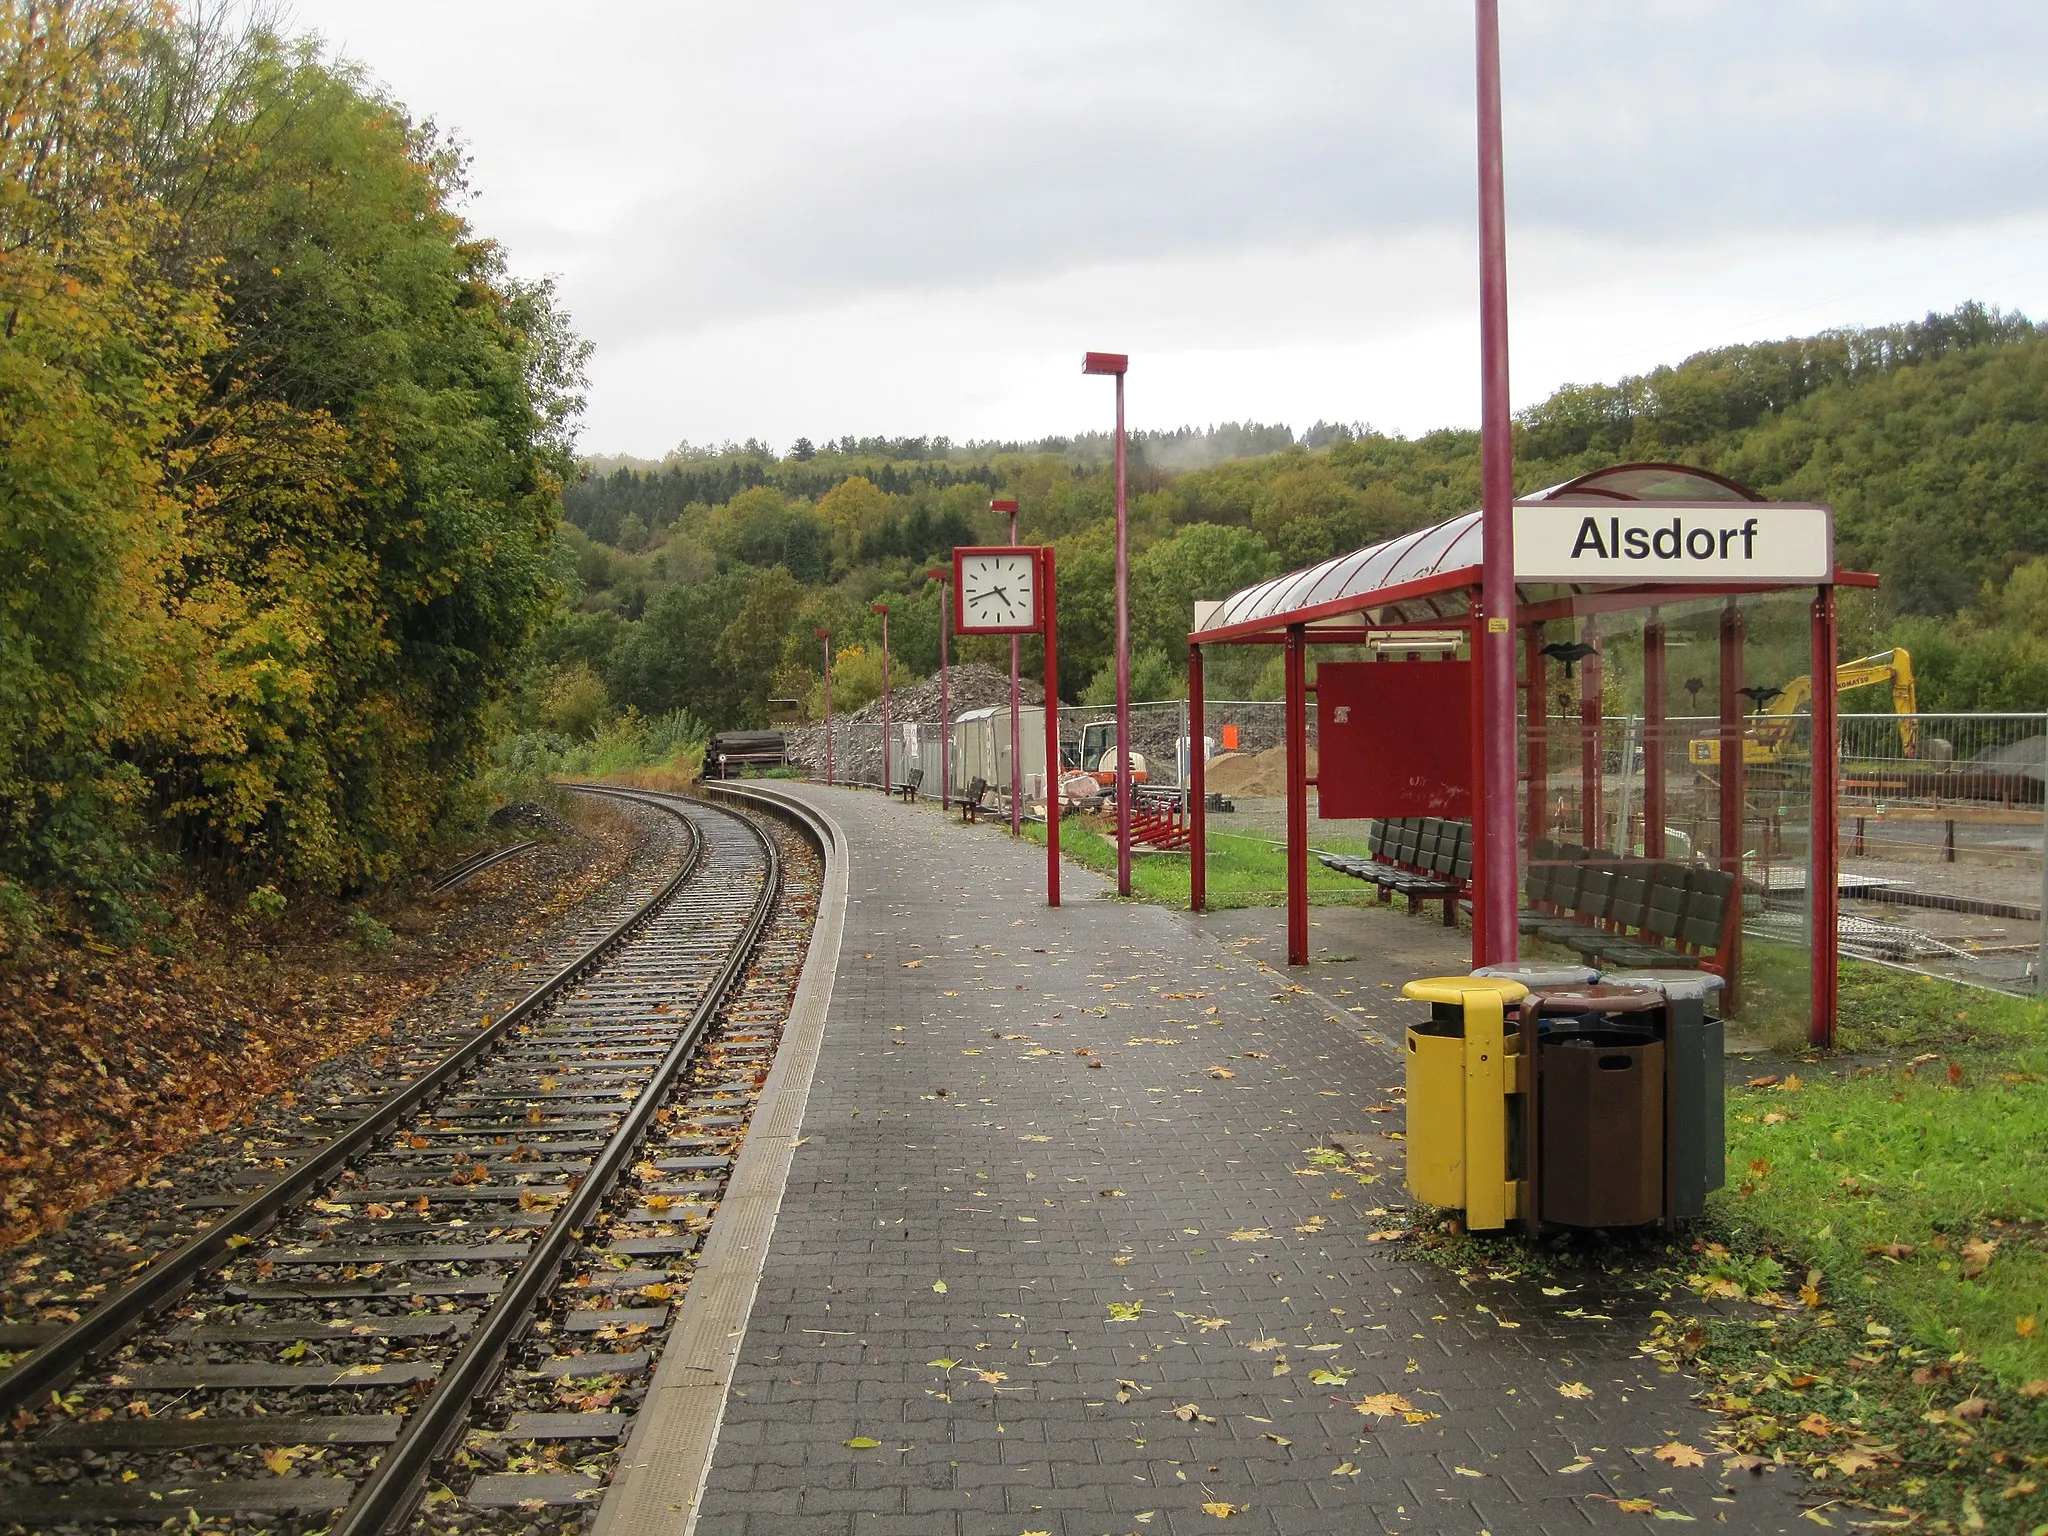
{"x": 1602, "y": 1127}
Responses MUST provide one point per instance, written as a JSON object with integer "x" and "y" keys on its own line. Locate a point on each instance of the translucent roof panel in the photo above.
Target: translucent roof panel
{"x": 1456, "y": 546}
{"x": 1648, "y": 482}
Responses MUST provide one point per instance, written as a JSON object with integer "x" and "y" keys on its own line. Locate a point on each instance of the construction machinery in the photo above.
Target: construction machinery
{"x": 1098, "y": 754}
{"x": 1772, "y": 735}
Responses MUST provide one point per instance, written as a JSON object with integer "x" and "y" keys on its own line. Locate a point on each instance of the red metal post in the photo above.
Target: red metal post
{"x": 1052, "y": 736}
{"x": 1198, "y": 775}
{"x": 1827, "y": 779}
{"x": 944, "y": 578}
{"x": 1731, "y": 767}
{"x": 1475, "y": 697}
{"x": 1297, "y": 796}
{"x": 1536, "y": 735}
{"x": 1118, "y": 364}
{"x": 826, "y": 636}
{"x": 1654, "y": 682}
{"x": 883, "y": 610}
{"x": 1123, "y": 662}
{"x": 1592, "y": 759}
{"x": 1016, "y": 735}
{"x": 1495, "y": 800}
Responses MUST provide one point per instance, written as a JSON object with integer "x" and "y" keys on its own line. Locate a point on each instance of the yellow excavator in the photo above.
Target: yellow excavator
{"x": 1773, "y": 736}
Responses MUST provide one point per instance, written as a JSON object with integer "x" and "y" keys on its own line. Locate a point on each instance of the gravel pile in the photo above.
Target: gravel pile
{"x": 857, "y": 753}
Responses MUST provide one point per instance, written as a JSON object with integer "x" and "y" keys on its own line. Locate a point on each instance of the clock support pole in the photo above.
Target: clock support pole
{"x": 1047, "y": 611}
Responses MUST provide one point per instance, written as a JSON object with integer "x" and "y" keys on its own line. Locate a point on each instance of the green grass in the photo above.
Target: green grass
{"x": 1243, "y": 871}
{"x": 1881, "y": 1177}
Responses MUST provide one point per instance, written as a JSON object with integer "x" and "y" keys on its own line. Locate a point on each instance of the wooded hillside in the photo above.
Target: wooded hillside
{"x": 699, "y": 583}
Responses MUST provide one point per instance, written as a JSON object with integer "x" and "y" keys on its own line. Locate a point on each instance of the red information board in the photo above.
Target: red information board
{"x": 1394, "y": 738}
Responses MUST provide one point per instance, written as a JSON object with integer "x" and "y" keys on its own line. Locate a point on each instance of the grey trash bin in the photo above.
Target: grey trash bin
{"x": 1696, "y": 1093}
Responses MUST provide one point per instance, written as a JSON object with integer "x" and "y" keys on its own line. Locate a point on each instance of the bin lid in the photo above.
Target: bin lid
{"x": 1600, "y": 997}
{"x": 1538, "y": 974}
{"x": 1455, "y": 989}
{"x": 1680, "y": 986}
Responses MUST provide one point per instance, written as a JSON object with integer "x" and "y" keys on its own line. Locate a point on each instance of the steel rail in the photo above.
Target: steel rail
{"x": 477, "y": 863}
{"x": 389, "y": 1491}
{"x": 171, "y": 1275}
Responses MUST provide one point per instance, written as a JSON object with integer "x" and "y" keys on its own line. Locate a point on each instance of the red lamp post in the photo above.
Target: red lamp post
{"x": 826, "y": 636}
{"x": 1016, "y": 736}
{"x": 883, "y": 610}
{"x": 943, "y": 578}
{"x": 1499, "y": 934}
{"x": 1116, "y": 364}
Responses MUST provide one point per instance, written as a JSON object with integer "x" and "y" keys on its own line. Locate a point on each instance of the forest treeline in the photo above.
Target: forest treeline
{"x": 700, "y": 583}
{"x": 281, "y": 447}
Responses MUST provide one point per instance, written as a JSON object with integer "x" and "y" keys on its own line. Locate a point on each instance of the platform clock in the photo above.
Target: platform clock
{"x": 996, "y": 590}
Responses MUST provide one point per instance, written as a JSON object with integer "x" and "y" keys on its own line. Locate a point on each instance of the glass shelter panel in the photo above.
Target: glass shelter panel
{"x": 1667, "y": 796}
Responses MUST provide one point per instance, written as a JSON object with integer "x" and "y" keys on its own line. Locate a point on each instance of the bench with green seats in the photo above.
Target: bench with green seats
{"x": 1630, "y": 912}
{"x": 1425, "y": 858}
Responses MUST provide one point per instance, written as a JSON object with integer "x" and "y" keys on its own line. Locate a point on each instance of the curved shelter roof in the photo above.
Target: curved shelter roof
{"x": 1418, "y": 577}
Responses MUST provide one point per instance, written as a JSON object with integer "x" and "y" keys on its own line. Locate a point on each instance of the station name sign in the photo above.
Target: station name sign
{"x": 1672, "y": 541}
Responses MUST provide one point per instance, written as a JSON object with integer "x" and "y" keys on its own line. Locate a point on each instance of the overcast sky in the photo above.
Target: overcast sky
{"x": 780, "y": 219}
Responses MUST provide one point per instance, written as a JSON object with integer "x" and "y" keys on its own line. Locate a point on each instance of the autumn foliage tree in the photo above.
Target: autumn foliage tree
{"x": 281, "y": 445}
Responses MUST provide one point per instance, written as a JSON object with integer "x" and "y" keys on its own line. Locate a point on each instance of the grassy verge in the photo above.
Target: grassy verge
{"x": 1243, "y": 871}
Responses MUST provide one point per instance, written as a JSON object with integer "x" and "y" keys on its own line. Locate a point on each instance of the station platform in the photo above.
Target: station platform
{"x": 1051, "y": 1255}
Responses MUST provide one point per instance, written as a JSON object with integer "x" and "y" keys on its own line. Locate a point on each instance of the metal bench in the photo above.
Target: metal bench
{"x": 907, "y": 790}
{"x": 1631, "y": 912}
{"x": 970, "y": 803}
{"x": 1424, "y": 858}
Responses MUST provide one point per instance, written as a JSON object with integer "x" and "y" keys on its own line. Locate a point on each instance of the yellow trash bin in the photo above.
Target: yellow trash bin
{"x": 1458, "y": 1081}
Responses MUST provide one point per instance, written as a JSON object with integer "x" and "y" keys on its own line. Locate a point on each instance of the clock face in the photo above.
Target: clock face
{"x": 998, "y": 591}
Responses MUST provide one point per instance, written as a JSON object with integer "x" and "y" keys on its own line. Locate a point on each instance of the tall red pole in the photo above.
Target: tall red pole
{"x": 1496, "y": 820}
{"x": 945, "y": 690}
{"x": 1052, "y": 737}
{"x": 1592, "y": 746}
{"x": 826, "y": 636}
{"x": 1297, "y": 794}
{"x": 883, "y": 610}
{"x": 1536, "y": 712}
{"x": 1016, "y": 734}
{"x": 1826, "y": 780}
{"x": 1731, "y": 808}
{"x": 1653, "y": 738}
{"x": 1118, "y": 364}
{"x": 1123, "y": 663}
{"x": 1198, "y": 771}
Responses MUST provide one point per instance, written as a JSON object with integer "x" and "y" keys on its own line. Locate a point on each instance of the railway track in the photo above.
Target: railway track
{"x": 484, "y": 1246}
{"x": 477, "y": 863}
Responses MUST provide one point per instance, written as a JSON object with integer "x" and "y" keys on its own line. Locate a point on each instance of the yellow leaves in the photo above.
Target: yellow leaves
{"x": 1345, "y": 1469}
{"x": 281, "y": 1458}
{"x": 1220, "y": 1072}
{"x": 1211, "y": 1324}
{"x": 1977, "y": 1254}
{"x": 939, "y": 1287}
{"x": 861, "y": 1443}
{"x": 1126, "y": 1311}
{"x": 1384, "y": 1405}
{"x": 1250, "y": 1234}
{"x": 1191, "y": 1413}
{"x": 1222, "y": 1509}
{"x": 1314, "y": 1224}
{"x": 1679, "y": 1454}
{"x": 1576, "y": 1389}
{"x": 1260, "y": 1346}
{"x": 992, "y": 1377}
{"x": 1329, "y": 1376}
{"x": 2024, "y": 1326}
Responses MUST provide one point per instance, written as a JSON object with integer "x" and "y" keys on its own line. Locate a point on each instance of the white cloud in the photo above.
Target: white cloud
{"x": 787, "y": 218}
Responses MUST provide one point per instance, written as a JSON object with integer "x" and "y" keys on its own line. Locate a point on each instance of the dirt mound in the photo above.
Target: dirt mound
{"x": 1252, "y": 773}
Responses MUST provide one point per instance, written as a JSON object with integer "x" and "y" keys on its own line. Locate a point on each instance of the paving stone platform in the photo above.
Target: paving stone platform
{"x": 1081, "y": 1299}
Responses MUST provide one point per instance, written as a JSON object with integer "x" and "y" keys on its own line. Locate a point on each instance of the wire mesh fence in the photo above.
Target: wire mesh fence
{"x": 1941, "y": 858}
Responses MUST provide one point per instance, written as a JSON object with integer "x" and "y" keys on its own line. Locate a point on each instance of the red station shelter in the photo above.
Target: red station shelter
{"x": 1660, "y": 610}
